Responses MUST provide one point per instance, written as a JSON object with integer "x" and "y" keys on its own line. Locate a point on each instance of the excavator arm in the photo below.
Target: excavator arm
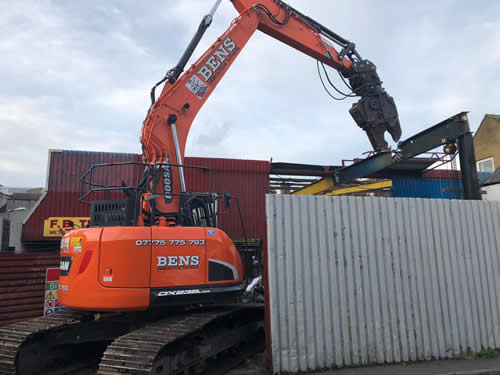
{"x": 376, "y": 111}
{"x": 169, "y": 118}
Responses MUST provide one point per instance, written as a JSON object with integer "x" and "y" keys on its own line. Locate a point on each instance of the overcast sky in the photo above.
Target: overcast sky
{"x": 77, "y": 75}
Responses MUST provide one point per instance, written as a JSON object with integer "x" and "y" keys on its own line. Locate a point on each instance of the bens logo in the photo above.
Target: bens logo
{"x": 215, "y": 61}
{"x": 178, "y": 262}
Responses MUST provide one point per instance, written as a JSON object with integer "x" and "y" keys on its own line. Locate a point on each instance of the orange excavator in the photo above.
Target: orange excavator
{"x": 159, "y": 249}
{"x": 166, "y": 253}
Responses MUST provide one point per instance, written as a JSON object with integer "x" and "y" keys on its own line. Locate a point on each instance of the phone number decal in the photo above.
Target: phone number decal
{"x": 170, "y": 243}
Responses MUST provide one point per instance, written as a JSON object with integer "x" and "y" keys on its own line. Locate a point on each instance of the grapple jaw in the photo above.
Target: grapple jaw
{"x": 377, "y": 114}
{"x": 376, "y": 111}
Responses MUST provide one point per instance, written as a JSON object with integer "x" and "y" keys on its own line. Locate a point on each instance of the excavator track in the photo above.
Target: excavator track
{"x": 59, "y": 343}
{"x": 182, "y": 343}
{"x": 15, "y": 337}
{"x": 68, "y": 340}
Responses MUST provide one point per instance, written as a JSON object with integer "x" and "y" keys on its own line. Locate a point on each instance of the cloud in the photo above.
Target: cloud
{"x": 215, "y": 136}
{"x": 133, "y": 100}
{"x": 78, "y": 75}
{"x": 27, "y": 123}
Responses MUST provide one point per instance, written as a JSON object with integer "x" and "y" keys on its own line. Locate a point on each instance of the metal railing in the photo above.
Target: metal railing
{"x": 141, "y": 183}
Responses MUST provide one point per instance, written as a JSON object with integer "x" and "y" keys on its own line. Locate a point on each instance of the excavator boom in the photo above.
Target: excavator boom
{"x": 169, "y": 119}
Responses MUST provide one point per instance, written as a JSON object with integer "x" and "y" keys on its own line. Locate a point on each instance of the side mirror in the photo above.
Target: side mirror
{"x": 228, "y": 200}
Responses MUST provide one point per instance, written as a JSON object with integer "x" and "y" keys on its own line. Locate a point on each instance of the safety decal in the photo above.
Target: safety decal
{"x": 76, "y": 244}
{"x": 51, "y": 295}
{"x": 65, "y": 244}
{"x": 51, "y": 303}
{"x": 197, "y": 86}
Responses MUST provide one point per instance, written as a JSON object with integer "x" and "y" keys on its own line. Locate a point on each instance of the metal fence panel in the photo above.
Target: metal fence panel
{"x": 22, "y": 285}
{"x": 360, "y": 280}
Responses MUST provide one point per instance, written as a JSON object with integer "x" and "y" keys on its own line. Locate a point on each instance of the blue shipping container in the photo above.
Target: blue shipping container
{"x": 419, "y": 187}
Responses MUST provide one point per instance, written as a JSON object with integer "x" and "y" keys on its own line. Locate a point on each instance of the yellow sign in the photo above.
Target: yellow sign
{"x": 76, "y": 241}
{"x": 54, "y": 226}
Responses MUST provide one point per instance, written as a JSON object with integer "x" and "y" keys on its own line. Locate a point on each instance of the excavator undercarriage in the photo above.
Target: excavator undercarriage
{"x": 187, "y": 340}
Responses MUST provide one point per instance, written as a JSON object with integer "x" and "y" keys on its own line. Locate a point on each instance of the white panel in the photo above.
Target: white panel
{"x": 358, "y": 280}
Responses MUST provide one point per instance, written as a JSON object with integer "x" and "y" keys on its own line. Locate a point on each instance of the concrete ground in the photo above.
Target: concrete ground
{"x": 255, "y": 366}
{"x": 448, "y": 367}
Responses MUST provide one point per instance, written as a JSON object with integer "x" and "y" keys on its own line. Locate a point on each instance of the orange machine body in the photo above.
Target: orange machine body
{"x": 134, "y": 268}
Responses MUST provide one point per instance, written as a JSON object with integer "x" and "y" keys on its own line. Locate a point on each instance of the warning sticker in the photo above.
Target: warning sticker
{"x": 76, "y": 241}
{"x": 197, "y": 86}
{"x": 52, "y": 285}
{"x": 51, "y": 304}
{"x": 65, "y": 244}
{"x": 50, "y": 294}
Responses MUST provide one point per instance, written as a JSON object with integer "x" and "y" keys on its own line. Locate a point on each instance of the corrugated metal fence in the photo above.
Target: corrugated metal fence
{"x": 371, "y": 280}
{"x": 22, "y": 285}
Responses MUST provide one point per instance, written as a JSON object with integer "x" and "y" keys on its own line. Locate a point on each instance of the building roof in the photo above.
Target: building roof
{"x": 31, "y": 196}
{"x": 493, "y": 178}
{"x": 484, "y": 120}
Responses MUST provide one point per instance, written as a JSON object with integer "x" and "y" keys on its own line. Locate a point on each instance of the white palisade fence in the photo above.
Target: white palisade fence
{"x": 355, "y": 280}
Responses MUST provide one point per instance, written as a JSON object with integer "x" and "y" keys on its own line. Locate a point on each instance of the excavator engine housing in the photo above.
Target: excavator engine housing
{"x": 135, "y": 268}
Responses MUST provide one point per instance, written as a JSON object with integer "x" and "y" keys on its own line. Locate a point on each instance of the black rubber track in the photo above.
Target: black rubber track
{"x": 13, "y": 337}
{"x": 136, "y": 352}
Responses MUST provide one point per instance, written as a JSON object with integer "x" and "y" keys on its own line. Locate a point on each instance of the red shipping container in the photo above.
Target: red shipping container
{"x": 247, "y": 180}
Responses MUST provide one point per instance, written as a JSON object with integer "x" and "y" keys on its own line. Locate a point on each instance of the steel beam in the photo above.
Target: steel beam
{"x": 447, "y": 131}
{"x": 363, "y": 168}
{"x": 318, "y": 187}
{"x": 451, "y": 130}
{"x": 470, "y": 182}
{"x": 361, "y": 188}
